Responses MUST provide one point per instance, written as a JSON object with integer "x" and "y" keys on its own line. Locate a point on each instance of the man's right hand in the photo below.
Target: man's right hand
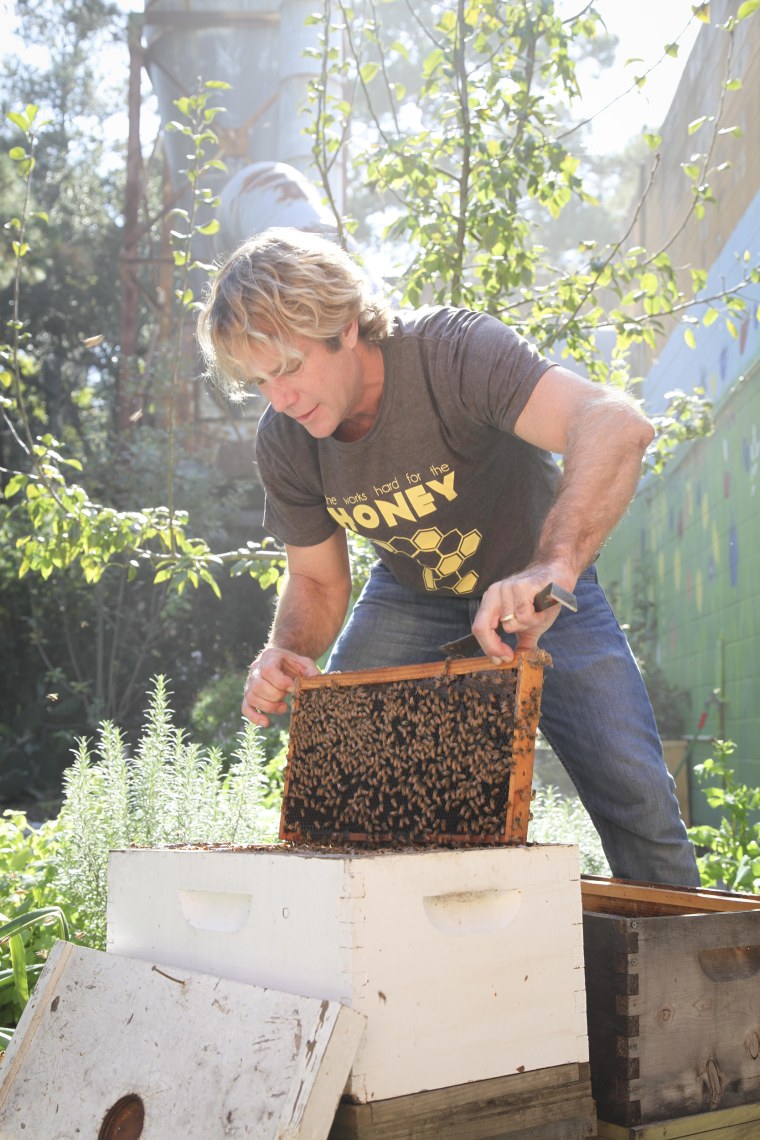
{"x": 271, "y": 678}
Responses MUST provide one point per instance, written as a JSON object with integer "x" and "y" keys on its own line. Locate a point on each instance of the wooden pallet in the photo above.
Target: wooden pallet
{"x": 546, "y": 1104}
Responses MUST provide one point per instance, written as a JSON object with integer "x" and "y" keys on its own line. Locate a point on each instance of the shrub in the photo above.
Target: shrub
{"x": 30, "y": 914}
{"x": 216, "y": 720}
{"x": 171, "y": 792}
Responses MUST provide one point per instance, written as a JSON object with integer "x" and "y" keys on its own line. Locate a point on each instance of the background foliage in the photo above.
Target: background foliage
{"x": 93, "y": 571}
{"x": 465, "y": 160}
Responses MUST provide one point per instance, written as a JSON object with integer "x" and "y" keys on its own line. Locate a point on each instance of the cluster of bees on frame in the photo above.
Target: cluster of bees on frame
{"x": 402, "y": 762}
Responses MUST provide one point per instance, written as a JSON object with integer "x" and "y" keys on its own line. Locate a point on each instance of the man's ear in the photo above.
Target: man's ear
{"x": 350, "y": 334}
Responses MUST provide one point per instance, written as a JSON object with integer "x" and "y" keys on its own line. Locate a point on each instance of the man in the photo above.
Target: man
{"x": 431, "y": 433}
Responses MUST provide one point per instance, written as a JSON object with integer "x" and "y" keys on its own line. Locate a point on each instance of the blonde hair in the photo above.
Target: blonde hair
{"x": 278, "y": 285}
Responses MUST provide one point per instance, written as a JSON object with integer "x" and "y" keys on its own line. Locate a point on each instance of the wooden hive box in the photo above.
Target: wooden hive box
{"x": 673, "y": 992}
{"x": 467, "y": 964}
{"x": 546, "y": 1104}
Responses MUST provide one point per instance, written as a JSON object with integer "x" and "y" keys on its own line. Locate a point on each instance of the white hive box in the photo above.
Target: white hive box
{"x": 466, "y": 964}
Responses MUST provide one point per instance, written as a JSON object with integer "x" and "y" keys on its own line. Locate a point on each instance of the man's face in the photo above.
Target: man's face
{"x": 320, "y": 393}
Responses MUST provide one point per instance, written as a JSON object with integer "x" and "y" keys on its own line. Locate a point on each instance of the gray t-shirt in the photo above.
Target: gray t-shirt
{"x": 451, "y": 499}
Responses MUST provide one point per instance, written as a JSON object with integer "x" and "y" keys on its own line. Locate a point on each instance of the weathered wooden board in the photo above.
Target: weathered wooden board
{"x": 547, "y": 1104}
{"x": 625, "y": 897}
{"x": 740, "y": 1123}
{"x": 674, "y": 1013}
{"x": 201, "y": 1057}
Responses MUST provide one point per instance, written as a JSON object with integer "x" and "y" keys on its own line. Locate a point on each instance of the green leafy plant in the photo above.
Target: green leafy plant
{"x": 63, "y": 527}
{"x": 171, "y": 791}
{"x": 731, "y": 858}
{"x": 216, "y": 721}
{"x": 17, "y": 978}
{"x": 32, "y": 911}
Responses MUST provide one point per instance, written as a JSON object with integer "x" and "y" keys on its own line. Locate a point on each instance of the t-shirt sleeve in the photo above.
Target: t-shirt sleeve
{"x": 294, "y": 506}
{"x": 495, "y": 370}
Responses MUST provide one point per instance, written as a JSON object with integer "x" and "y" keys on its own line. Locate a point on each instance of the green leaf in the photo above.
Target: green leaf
{"x": 21, "y": 922}
{"x": 702, "y": 11}
{"x": 649, "y": 283}
{"x": 17, "y": 153}
{"x": 432, "y": 62}
{"x": 695, "y": 124}
{"x": 688, "y": 336}
{"x": 209, "y": 578}
{"x": 19, "y": 120}
{"x": 671, "y": 49}
{"x": 18, "y": 962}
{"x": 747, "y": 8}
{"x": 368, "y": 71}
{"x": 211, "y": 227}
{"x": 710, "y": 317}
{"x": 15, "y": 484}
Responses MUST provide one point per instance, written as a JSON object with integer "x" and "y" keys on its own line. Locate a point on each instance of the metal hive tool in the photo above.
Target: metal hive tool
{"x": 423, "y": 754}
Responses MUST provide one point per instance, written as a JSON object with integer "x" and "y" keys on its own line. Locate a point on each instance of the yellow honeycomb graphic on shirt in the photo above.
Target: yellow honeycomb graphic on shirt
{"x": 442, "y": 557}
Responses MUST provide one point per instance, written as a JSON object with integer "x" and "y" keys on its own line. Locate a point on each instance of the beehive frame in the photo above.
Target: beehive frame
{"x": 414, "y": 755}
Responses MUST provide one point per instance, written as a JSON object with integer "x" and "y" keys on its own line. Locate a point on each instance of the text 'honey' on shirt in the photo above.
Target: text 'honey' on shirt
{"x": 451, "y": 500}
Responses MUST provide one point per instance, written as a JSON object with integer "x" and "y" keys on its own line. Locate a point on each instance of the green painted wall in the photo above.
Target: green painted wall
{"x": 694, "y": 533}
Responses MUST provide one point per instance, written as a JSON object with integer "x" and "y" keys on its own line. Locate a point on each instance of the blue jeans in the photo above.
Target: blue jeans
{"x": 595, "y": 712}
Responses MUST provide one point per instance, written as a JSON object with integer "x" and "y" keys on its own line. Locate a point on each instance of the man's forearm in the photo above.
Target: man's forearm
{"x": 308, "y": 616}
{"x": 602, "y": 466}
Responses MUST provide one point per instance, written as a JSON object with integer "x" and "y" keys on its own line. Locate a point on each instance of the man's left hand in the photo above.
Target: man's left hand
{"x": 508, "y": 605}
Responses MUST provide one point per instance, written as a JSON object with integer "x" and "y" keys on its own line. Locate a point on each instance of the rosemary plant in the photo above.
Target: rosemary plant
{"x": 171, "y": 792}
